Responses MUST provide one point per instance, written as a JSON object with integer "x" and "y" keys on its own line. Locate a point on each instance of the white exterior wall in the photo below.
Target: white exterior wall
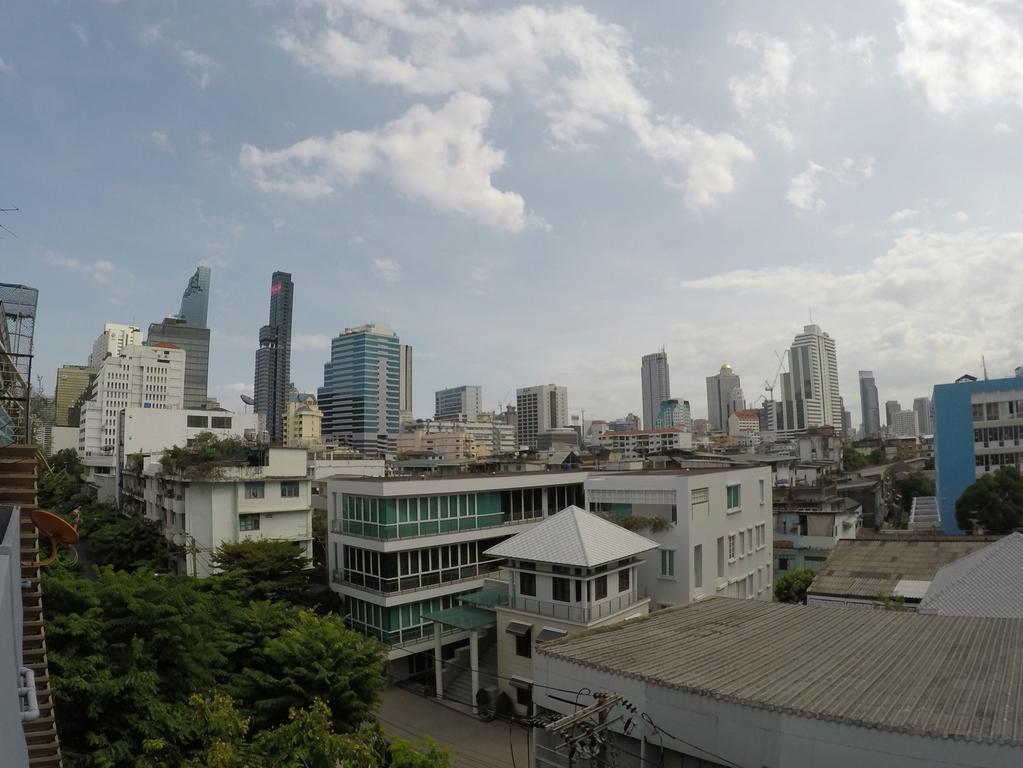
{"x": 149, "y": 430}
{"x": 698, "y": 524}
{"x": 115, "y": 337}
{"x": 749, "y": 736}
{"x": 647, "y": 441}
{"x": 534, "y": 414}
{"x": 64, "y": 438}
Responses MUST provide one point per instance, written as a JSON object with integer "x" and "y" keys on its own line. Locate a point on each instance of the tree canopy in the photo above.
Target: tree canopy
{"x": 261, "y": 569}
{"x": 792, "y": 585}
{"x": 123, "y": 542}
{"x": 994, "y": 503}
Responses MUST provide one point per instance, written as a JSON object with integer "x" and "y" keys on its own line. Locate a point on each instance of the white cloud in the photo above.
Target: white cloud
{"x": 760, "y": 95}
{"x": 961, "y": 54}
{"x": 386, "y": 269}
{"x": 197, "y": 65}
{"x": 962, "y": 217}
{"x": 99, "y": 271}
{"x": 80, "y": 32}
{"x": 575, "y": 68}
{"x": 903, "y": 215}
{"x": 804, "y": 191}
{"x": 1001, "y": 128}
{"x": 160, "y": 140}
{"x": 438, "y": 156}
{"x": 860, "y": 47}
{"x": 5, "y": 66}
{"x": 310, "y": 341}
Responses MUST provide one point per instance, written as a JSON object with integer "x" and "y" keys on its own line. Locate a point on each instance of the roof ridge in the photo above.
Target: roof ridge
{"x": 974, "y": 560}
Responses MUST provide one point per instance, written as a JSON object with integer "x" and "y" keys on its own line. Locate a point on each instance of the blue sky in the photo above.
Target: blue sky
{"x": 525, "y": 193}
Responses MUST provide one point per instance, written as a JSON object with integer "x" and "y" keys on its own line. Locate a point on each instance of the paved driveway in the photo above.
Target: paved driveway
{"x": 473, "y": 743}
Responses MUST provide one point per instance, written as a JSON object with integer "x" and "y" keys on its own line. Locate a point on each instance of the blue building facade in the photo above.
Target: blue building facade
{"x": 360, "y": 396}
{"x": 978, "y": 428}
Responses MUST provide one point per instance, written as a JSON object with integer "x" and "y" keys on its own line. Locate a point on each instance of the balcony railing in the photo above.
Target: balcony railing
{"x": 421, "y": 528}
{"x": 398, "y": 637}
{"x": 579, "y": 614}
{"x": 396, "y": 584}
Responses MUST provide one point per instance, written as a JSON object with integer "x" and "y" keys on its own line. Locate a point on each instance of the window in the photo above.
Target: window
{"x": 992, "y": 411}
{"x": 248, "y": 522}
{"x": 732, "y": 497}
{"x": 527, "y": 584}
{"x": 668, "y": 563}
{"x": 763, "y": 491}
{"x": 731, "y": 547}
{"x": 623, "y": 580}
{"x": 600, "y": 588}
{"x": 783, "y": 563}
{"x": 742, "y": 544}
{"x": 524, "y": 696}
{"x": 698, "y": 566}
{"x": 561, "y": 590}
{"x": 255, "y": 491}
{"x": 749, "y": 586}
{"x": 196, "y": 422}
{"x": 721, "y": 557}
{"x": 220, "y": 422}
{"x": 749, "y": 540}
{"x": 524, "y": 645}
{"x": 289, "y": 489}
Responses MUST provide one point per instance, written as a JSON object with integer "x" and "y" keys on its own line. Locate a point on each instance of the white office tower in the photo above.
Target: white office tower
{"x": 114, "y": 338}
{"x": 405, "y": 384}
{"x": 462, "y": 403}
{"x": 924, "y": 415}
{"x": 656, "y": 386}
{"x": 724, "y": 397}
{"x": 810, "y": 396}
{"x": 139, "y": 377}
{"x": 905, "y": 424}
{"x": 539, "y": 409}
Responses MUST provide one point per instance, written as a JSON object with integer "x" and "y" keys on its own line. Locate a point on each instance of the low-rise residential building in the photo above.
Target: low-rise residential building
{"x": 639, "y": 442}
{"x": 749, "y": 683}
{"x": 448, "y": 445}
{"x": 302, "y": 422}
{"x": 265, "y": 495}
{"x": 745, "y": 426}
{"x": 490, "y": 436}
{"x": 887, "y": 569}
{"x": 712, "y": 527}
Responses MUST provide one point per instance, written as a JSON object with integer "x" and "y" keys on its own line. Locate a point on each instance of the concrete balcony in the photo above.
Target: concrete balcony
{"x": 577, "y": 614}
{"x": 797, "y": 540}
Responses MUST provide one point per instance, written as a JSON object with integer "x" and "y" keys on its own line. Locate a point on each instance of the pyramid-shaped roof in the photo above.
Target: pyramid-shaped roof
{"x": 575, "y": 537}
{"x": 988, "y": 582}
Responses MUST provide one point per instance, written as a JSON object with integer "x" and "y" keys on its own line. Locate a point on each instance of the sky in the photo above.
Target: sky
{"x": 527, "y": 193}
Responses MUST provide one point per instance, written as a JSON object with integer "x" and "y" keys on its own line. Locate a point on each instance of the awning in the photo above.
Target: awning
{"x": 520, "y": 683}
{"x": 518, "y": 628}
{"x": 487, "y": 597}
{"x": 462, "y": 617}
{"x": 550, "y": 633}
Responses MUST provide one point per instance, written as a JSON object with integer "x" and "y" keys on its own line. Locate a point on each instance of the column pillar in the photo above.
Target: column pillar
{"x": 438, "y": 663}
{"x": 474, "y": 664}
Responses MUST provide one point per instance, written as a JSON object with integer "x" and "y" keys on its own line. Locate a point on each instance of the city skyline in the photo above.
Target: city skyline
{"x": 726, "y": 273}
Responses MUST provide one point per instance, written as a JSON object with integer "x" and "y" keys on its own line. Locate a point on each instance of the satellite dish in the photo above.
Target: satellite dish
{"x": 61, "y": 532}
{"x": 247, "y": 400}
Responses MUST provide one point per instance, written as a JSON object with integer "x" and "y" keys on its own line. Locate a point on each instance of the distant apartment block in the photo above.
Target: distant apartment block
{"x": 539, "y": 409}
{"x": 464, "y": 403}
{"x": 303, "y": 423}
{"x": 810, "y": 396}
{"x": 869, "y": 410}
{"x": 641, "y": 442}
{"x": 724, "y": 397}
{"x": 115, "y": 337}
{"x": 656, "y": 383}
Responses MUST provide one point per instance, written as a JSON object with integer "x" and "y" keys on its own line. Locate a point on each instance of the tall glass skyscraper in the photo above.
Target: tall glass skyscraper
{"x": 869, "y": 408}
{"x": 273, "y": 358}
{"x": 361, "y": 392}
{"x": 656, "y": 385}
{"x": 187, "y": 330}
{"x": 195, "y": 301}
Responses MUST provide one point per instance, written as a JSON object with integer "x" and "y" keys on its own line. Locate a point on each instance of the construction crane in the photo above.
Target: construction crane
{"x": 769, "y": 387}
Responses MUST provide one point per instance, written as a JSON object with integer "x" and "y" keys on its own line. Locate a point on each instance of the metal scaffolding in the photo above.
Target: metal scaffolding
{"x": 18, "y": 310}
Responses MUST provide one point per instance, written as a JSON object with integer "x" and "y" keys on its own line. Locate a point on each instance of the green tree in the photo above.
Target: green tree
{"x": 911, "y": 485}
{"x": 60, "y": 485}
{"x": 124, "y": 543}
{"x": 994, "y": 503}
{"x": 264, "y": 569}
{"x": 317, "y": 657}
{"x": 853, "y": 460}
{"x": 791, "y": 587}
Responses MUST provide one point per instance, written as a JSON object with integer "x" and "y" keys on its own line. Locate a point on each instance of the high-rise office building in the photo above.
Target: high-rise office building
{"x": 405, "y": 384}
{"x": 195, "y": 301}
{"x": 361, "y": 389}
{"x": 656, "y": 385}
{"x": 72, "y": 382}
{"x": 195, "y": 342}
{"x": 868, "y": 404}
{"x": 115, "y": 337}
{"x": 891, "y": 407}
{"x": 904, "y": 424}
{"x": 273, "y": 358}
{"x": 674, "y": 413}
{"x": 539, "y": 409}
{"x": 462, "y": 403}
{"x": 924, "y": 415}
{"x": 810, "y": 396}
{"x": 724, "y": 397}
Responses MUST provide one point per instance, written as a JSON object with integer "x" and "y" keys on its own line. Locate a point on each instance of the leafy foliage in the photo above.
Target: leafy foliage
{"x": 994, "y": 503}
{"x": 60, "y": 487}
{"x": 262, "y": 569}
{"x": 205, "y": 456}
{"x": 912, "y": 485}
{"x": 853, "y": 460}
{"x": 640, "y": 523}
{"x": 792, "y": 585}
{"x": 122, "y": 542}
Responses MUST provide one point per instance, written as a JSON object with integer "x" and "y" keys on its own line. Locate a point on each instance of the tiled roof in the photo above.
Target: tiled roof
{"x": 988, "y": 582}
{"x": 576, "y": 537}
{"x": 869, "y": 568}
{"x": 941, "y": 676}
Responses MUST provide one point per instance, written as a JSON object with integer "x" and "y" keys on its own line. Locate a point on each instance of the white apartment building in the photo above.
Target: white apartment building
{"x": 810, "y": 394}
{"x": 115, "y": 337}
{"x": 490, "y": 437}
{"x": 745, "y": 425}
{"x": 451, "y": 445}
{"x": 640, "y": 442}
{"x": 464, "y": 403}
{"x": 401, "y": 547}
{"x": 712, "y": 528}
{"x": 302, "y": 424}
{"x": 268, "y": 496}
{"x": 906, "y": 424}
{"x": 539, "y": 409}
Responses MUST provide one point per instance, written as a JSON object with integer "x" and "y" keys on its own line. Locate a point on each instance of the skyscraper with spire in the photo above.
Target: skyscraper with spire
{"x": 656, "y": 385}
{"x": 187, "y": 330}
{"x": 273, "y": 358}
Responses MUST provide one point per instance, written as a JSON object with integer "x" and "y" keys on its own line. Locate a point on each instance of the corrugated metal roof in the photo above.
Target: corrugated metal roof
{"x": 573, "y": 536}
{"x": 988, "y": 582}
{"x": 869, "y": 568}
{"x": 942, "y": 676}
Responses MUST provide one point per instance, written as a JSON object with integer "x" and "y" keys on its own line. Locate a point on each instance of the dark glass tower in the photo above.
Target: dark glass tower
{"x": 195, "y": 301}
{"x": 187, "y": 330}
{"x": 273, "y": 358}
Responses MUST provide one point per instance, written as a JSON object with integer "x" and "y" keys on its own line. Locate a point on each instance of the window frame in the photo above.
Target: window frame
{"x": 290, "y": 484}
{"x": 737, "y": 488}
{"x": 525, "y": 577}
{"x": 667, "y": 570}
{"x": 249, "y": 517}
{"x": 255, "y": 485}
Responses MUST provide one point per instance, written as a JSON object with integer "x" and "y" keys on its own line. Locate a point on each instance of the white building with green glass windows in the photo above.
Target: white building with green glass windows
{"x": 712, "y": 526}
{"x": 400, "y": 547}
